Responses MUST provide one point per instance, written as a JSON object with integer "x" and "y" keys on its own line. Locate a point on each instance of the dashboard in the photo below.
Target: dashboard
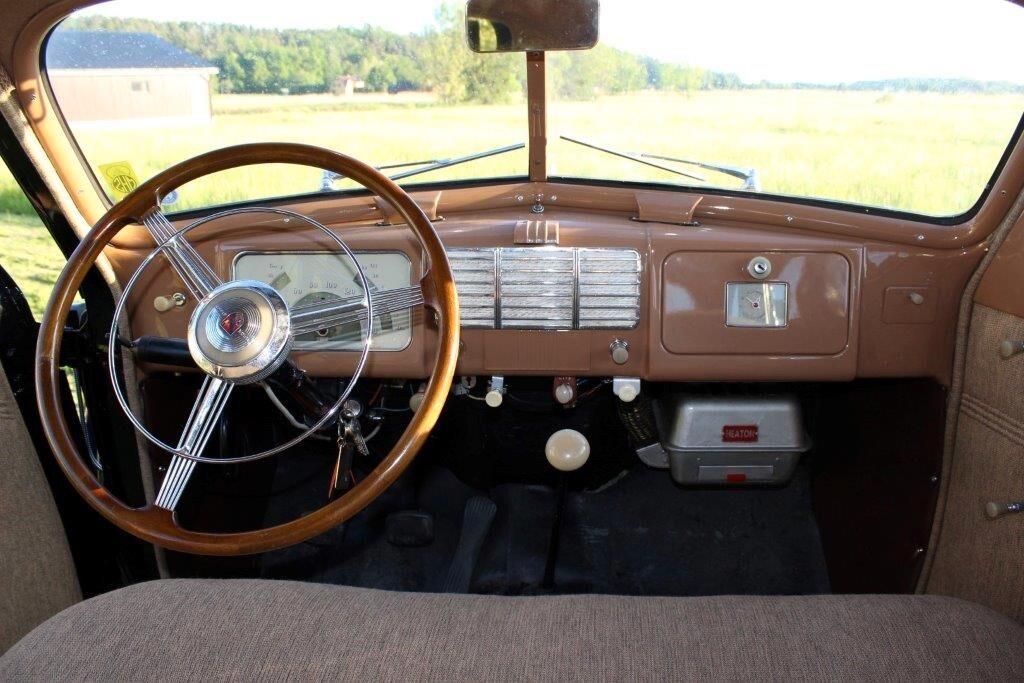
{"x": 592, "y": 290}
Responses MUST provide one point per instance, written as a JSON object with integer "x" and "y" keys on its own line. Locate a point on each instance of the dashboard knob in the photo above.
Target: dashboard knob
{"x": 627, "y": 393}
{"x": 564, "y": 394}
{"x": 416, "y": 400}
{"x": 567, "y": 450}
{"x": 620, "y": 351}
{"x": 626, "y": 388}
{"x": 495, "y": 391}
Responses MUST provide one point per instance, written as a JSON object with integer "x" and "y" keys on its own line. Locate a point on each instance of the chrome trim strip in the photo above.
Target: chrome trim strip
{"x": 206, "y": 412}
{"x": 195, "y": 272}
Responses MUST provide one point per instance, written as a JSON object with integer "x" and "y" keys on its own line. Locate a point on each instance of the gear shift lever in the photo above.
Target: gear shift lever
{"x": 567, "y": 450}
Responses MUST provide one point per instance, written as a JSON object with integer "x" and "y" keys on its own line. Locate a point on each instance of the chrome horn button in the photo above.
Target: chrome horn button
{"x": 240, "y": 332}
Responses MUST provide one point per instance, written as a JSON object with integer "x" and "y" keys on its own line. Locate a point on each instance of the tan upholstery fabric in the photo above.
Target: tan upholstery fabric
{"x": 37, "y": 576}
{"x": 238, "y": 629}
{"x": 978, "y": 558}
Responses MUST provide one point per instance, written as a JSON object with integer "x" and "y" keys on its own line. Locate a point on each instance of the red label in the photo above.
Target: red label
{"x": 736, "y": 478}
{"x": 739, "y": 433}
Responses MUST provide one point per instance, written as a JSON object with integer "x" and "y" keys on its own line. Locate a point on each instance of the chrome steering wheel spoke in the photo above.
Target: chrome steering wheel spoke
{"x": 342, "y": 311}
{"x": 206, "y": 413}
{"x": 194, "y": 271}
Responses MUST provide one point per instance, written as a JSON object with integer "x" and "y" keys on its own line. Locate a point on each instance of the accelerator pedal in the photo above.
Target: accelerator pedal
{"x": 476, "y": 523}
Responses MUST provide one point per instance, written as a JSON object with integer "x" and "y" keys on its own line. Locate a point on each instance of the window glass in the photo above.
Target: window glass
{"x": 145, "y": 85}
{"x": 29, "y": 254}
{"x": 905, "y": 105}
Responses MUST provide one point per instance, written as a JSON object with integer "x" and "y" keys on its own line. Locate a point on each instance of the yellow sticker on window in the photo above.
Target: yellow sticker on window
{"x": 120, "y": 177}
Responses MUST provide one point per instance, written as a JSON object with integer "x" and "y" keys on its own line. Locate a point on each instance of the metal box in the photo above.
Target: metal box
{"x": 732, "y": 440}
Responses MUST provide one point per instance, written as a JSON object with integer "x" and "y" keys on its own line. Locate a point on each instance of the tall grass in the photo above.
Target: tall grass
{"x": 922, "y": 152}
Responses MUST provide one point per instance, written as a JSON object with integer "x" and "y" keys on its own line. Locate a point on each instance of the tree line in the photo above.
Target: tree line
{"x": 295, "y": 61}
{"x": 258, "y": 60}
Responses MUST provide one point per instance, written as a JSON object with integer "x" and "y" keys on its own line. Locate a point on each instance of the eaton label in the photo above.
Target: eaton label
{"x": 739, "y": 433}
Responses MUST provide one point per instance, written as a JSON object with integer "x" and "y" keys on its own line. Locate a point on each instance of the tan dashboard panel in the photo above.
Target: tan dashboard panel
{"x": 885, "y": 333}
{"x": 694, "y": 304}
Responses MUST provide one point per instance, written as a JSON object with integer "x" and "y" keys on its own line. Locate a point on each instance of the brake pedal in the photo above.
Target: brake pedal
{"x": 476, "y": 524}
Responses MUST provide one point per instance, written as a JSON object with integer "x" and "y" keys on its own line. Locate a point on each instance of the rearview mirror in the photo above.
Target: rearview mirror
{"x": 531, "y": 25}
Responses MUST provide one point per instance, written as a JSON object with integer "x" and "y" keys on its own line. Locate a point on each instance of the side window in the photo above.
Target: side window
{"x": 29, "y": 253}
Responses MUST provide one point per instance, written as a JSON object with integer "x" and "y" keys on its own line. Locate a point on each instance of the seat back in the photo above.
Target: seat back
{"x": 37, "y": 575}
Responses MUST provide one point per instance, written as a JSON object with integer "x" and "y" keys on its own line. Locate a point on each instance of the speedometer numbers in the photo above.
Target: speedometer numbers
{"x": 311, "y": 278}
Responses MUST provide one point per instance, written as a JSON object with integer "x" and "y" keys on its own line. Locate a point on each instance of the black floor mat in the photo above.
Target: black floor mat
{"x": 640, "y": 535}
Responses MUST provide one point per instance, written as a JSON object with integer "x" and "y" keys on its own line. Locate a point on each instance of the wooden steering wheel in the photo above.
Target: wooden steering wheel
{"x": 244, "y": 306}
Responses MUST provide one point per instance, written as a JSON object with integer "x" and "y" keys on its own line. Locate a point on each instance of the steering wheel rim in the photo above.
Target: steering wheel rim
{"x": 157, "y": 525}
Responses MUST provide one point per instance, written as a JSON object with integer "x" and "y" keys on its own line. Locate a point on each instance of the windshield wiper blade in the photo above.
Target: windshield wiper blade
{"x": 406, "y": 164}
{"x": 328, "y": 177}
{"x": 632, "y": 157}
{"x": 445, "y": 163}
{"x": 747, "y": 175}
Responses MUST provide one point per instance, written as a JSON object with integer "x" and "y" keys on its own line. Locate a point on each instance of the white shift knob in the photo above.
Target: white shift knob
{"x": 567, "y": 450}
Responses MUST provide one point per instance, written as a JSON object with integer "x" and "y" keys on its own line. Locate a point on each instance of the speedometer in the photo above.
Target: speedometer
{"x": 304, "y": 278}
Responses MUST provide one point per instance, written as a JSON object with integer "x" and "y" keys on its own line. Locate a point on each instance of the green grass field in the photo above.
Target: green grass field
{"x": 927, "y": 153}
{"x": 30, "y": 256}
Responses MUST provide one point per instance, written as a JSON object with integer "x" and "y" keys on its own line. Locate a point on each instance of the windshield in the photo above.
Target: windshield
{"x": 146, "y": 85}
{"x": 906, "y": 106}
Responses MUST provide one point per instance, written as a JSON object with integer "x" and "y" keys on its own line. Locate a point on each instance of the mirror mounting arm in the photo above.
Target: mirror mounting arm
{"x": 537, "y": 112}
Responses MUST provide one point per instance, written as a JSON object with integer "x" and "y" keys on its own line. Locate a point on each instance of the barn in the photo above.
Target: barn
{"x": 127, "y": 78}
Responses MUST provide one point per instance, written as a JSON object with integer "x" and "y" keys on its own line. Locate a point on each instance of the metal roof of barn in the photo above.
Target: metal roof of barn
{"x": 112, "y": 50}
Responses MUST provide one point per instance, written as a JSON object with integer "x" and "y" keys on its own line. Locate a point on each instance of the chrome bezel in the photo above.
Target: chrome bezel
{"x": 237, "y": 366}
{"x": 321, "y": 347}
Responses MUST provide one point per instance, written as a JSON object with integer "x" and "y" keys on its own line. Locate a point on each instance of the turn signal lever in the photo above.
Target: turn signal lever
{"x": 163, "y": 351}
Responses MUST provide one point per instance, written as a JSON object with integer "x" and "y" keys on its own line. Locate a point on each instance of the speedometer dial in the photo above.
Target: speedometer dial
{"x": 304, "y": 278}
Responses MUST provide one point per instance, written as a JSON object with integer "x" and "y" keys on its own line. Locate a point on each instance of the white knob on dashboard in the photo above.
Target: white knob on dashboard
{"x": 494, "y": 398}
{"x": 416, "y": 400}
{"x": 620, "y": 351}
{"x": 627, "y": 393}
{"x": 564, "y": 394}
{"x": 567, "y": 450}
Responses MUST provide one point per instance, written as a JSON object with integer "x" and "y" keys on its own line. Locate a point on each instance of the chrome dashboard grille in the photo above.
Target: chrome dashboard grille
{"x": 475, "y": 277}
{"x": 547, "y": 288}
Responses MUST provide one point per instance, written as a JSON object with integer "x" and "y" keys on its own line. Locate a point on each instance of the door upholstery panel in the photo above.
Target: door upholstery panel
{"x": 978, "y": 558}
{"x": 971, "y": 556}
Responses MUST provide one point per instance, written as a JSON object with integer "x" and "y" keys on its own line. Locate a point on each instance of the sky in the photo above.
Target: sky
{"x": 820, "y": 41}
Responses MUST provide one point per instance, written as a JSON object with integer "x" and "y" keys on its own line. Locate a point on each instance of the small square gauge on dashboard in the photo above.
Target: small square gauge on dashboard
{"x": 756, "y": 304}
